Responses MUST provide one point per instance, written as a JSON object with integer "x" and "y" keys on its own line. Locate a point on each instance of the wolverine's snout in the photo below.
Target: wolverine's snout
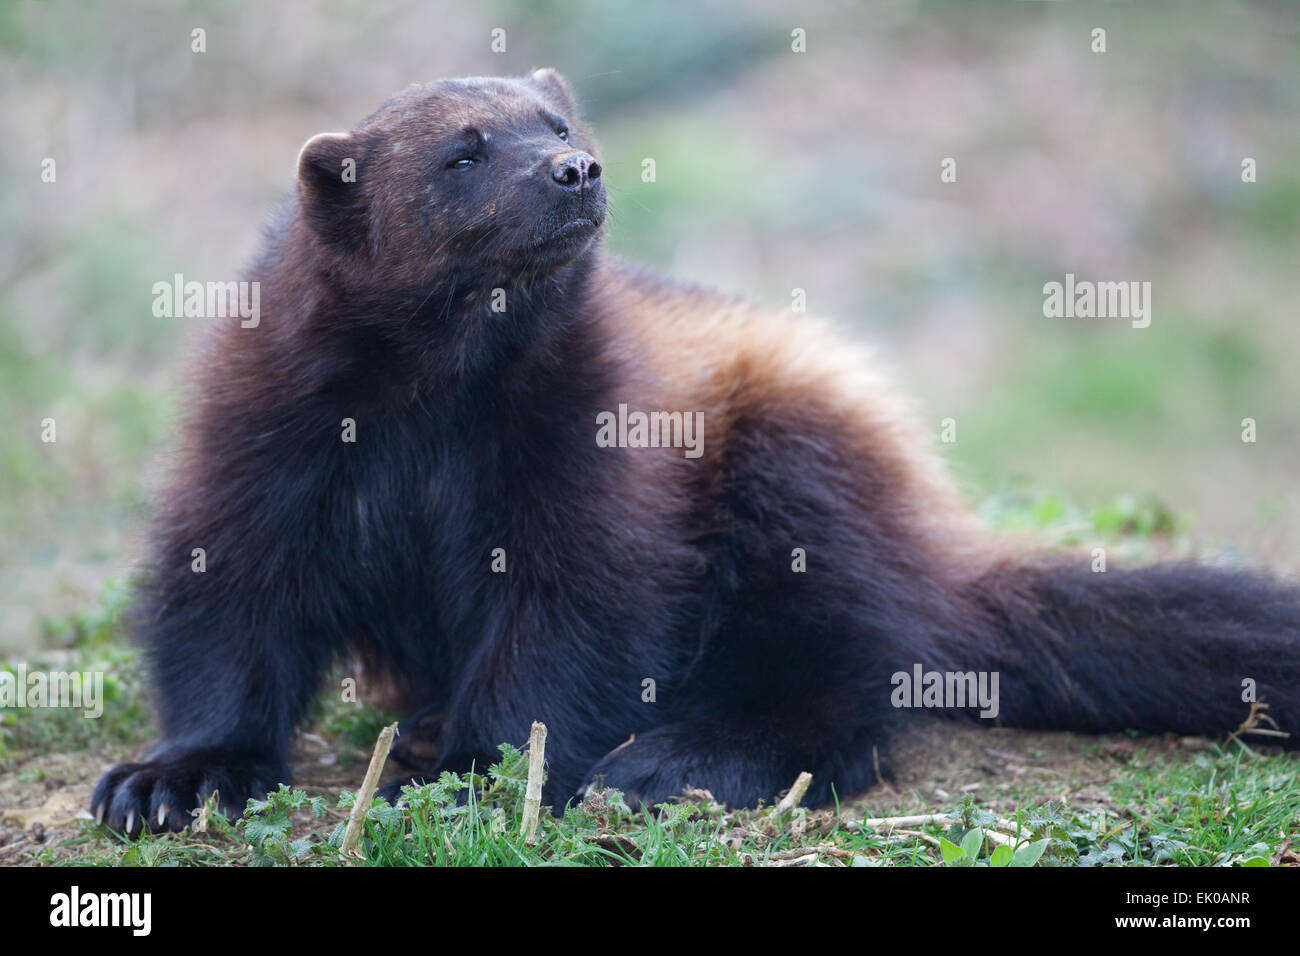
{"x": 575, "y": 170}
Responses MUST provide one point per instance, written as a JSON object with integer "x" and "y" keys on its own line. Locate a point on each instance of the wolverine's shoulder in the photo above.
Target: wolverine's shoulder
{"x": 771, "y": 373}
{"x": 706, "y": 336}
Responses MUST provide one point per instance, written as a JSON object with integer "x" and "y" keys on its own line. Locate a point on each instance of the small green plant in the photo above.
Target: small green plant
{"x": 968, "y": 853}
{"x": 268, "y": 827}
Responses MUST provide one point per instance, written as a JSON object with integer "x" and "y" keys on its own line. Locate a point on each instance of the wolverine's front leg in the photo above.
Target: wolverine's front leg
{"x": 229, "y": 691}
{"x": 236, "y": 656}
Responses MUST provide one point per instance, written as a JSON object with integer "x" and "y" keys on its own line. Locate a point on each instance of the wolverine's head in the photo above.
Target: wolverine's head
{"x": 483, "y": 174}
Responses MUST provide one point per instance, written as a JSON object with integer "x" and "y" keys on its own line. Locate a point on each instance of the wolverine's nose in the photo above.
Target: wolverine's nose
{"x": 574, "y": 170}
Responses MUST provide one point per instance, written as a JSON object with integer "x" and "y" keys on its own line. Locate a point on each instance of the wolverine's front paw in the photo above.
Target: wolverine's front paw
{"x": 161, "y": 793}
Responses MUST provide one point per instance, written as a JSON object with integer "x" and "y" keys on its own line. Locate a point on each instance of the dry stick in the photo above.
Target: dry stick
{"x": 920, "y": 819}
{"x": 917, "y": 834}
{"x": 942, "y": 819}
{"x": 835, "y": 851}
{"x": 1277, "y": 857}
{"x": 1251, "y": 725}
{"x": 994, "y": 837}
{"x": 799, "y": 788}
{"x": 999, "y": 838}
{"x": 875, "y": 764}
{"x": 533, "y": 795}
{"x": 352, "y": 836}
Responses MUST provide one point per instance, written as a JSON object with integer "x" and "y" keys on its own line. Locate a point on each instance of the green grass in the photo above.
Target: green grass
{"x": 90, "y": 642}
{"x": 1227, "y": 807}
{"x": 1223, "y": 806}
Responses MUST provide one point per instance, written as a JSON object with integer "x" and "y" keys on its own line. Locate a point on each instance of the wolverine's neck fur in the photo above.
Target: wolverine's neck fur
{"x": 378, "y": 334}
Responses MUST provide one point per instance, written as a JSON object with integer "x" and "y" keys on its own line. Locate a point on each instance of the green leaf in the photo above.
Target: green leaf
{"x": 1255, "y": 861}
{"x": 1001, "y": 856}
{"x": 952, "y": 853}
{"x": 336, "y": 835}
{"x": 1112, "y": 853}
{"x": 971, "y": 843}
{"x": 273, "y": 827}
{"x": 1028, "y": 855}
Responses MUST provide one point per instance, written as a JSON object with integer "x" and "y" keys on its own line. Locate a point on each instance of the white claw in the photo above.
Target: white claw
{"x": 99, "y": 813}
{"x": 130, "y": 821}
{"x": 162, "y": 814}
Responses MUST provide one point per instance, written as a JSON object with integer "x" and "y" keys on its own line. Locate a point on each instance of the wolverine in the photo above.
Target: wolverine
{"x": 400, "y": 463}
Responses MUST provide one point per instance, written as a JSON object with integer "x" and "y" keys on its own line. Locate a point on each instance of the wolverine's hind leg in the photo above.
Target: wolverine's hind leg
{"x": 820, "y": 587}
{"x": 744, "y": 759}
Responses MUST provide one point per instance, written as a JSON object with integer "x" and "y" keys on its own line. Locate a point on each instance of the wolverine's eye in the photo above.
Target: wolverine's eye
{"x": 562, "y": 133}
{"x": 465, "y": 162}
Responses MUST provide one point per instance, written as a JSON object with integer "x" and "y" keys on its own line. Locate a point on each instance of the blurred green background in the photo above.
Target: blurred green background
{"x": 776, "y": 170}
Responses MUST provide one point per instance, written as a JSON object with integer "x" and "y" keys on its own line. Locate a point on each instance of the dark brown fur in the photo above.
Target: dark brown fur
{"x": 476, "y": 431}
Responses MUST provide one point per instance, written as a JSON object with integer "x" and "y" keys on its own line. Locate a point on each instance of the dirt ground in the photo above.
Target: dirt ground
{"x": 934, "y": 763}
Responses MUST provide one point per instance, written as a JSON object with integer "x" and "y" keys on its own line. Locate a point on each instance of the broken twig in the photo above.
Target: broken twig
{"x": 352, "y": 836}
{"x": 797, "y": 790}
{"x": 533, "y": 794}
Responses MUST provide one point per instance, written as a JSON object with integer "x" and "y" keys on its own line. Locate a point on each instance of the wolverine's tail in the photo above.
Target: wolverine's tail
{"x": 1174, "y": 647}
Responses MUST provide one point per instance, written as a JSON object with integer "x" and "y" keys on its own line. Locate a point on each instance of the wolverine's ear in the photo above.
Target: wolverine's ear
{"x": 553, "y": 85}
{"x": 329, "y": 188}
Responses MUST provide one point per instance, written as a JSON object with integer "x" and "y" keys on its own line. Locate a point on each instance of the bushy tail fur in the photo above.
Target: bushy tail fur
{"x": 1174, "y": 647}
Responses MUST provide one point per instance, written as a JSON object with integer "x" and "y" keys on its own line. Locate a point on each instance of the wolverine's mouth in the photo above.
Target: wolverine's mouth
{"x": 574, "y": 227}
{"x": 553, "y": 245}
